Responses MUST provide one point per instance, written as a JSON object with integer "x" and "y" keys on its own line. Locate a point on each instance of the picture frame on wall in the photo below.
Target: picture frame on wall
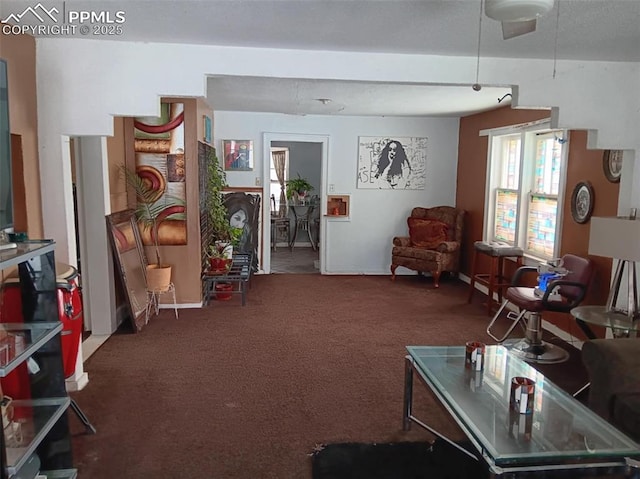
{"x": 237, "y": 155}
{"x": 612, "y": 165}
{"x": 207, "y": 128}
{"x": 392, "y": 163}
{"x": 582, "y": 200}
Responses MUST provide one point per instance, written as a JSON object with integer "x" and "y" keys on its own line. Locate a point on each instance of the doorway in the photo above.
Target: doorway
{"x": 301, "y": 249}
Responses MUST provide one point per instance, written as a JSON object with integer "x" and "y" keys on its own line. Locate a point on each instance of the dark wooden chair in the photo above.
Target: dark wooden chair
{"x": 280, "y": 223}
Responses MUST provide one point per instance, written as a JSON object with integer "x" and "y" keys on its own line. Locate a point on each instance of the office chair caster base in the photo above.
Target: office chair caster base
{"x": 543, "y": 353}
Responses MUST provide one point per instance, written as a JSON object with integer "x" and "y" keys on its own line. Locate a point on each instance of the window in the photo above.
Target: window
{"x": 524, "y": 182}
{"x": 275, "y": 186}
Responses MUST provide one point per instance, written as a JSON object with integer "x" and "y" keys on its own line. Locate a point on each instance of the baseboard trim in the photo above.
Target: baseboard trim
{"x": 76, "y": 383}
{"x": 180, "y": 305}
{"x": 91, "y": 345}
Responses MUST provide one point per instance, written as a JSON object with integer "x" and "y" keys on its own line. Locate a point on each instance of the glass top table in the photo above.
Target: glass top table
{"x": 618, "y": 322}
{"x": 560, "y": 433}
{"x": 303, "y": 214}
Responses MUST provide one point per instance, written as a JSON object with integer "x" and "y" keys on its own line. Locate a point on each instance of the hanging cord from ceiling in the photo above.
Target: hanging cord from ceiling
{"x": 476, "y": 86}
{"x": 500, "y": 100}
{"x": 555, "y": 45}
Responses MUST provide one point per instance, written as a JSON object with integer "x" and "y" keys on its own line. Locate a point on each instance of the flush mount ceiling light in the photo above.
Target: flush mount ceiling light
{"x": 324, "y": 101}
{"x": 517, "y": 16}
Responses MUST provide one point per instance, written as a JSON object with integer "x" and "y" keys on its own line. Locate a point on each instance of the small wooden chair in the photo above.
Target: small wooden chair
{"x": 280, "y": 224}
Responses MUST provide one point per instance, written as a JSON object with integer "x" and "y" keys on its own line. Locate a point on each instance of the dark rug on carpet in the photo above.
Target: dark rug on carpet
{"x": 402, "y": 460}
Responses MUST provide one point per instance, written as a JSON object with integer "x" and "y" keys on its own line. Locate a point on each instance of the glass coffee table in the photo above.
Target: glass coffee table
{"x": 561, "y": 433}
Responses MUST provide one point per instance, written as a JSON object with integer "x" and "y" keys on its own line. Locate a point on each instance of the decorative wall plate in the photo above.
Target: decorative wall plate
{"x": 612, "y": 165}
{"x": 582, "y": 200}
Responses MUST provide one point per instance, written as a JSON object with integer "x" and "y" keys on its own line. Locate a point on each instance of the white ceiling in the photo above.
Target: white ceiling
{"x": 589, "y": 29}
{"x": 302, "y": 97}
{"x": 606, "y": 30}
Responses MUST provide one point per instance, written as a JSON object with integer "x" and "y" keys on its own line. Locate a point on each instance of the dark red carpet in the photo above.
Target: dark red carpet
{"x": 230, "y": 392}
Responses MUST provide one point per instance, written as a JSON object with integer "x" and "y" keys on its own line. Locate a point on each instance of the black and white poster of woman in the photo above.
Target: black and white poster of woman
{"x": 392, "y": 163}
{"x": 243, "y": 211}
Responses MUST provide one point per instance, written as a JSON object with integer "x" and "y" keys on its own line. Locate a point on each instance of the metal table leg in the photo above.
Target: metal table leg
{"x": 89, "y": 429}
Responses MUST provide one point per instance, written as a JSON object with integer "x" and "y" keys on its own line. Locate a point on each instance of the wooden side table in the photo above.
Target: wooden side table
{"x": 495, "y": 280}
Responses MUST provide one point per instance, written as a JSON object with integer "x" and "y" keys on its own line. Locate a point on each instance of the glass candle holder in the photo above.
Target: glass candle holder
{"x": 474, "y": 355}
{"x": 522, "y": 392}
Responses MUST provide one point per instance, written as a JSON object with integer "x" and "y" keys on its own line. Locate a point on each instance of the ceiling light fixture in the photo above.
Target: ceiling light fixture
{"x": 517, "y": 16}
{"x": 324, "y": 101}
{"x": 517, "y": 10}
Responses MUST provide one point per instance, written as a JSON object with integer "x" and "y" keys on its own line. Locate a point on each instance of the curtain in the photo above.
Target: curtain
{"x": 280, "y": 164}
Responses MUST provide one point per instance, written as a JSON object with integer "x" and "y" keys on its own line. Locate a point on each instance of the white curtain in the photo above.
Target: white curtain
{"x": 279, "y": 159}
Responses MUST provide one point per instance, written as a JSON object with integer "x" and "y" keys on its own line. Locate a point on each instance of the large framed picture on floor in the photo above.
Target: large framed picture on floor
{"x": 244, "y": 211}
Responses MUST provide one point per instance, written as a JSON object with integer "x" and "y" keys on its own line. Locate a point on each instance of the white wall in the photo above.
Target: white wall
{"x": 362, "y": 244}
{"x": 82, "y": 84}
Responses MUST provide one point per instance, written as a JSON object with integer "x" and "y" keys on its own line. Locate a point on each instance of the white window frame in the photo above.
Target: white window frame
{"x": 528, "y": 132}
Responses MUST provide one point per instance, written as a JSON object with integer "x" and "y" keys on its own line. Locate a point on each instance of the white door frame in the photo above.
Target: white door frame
{"x": 267, "y": 138}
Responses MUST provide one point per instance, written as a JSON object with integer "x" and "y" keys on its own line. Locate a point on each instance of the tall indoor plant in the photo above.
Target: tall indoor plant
{"x": 216, "y": 182}
{"x": 150, "y": 210}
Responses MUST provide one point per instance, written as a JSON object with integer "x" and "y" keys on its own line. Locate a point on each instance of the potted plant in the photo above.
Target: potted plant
{"x": 218, "y": 259}
{"x": 152, "y": 207}
{"x": 298, "y": 187}
{"x": 220, "y": 252}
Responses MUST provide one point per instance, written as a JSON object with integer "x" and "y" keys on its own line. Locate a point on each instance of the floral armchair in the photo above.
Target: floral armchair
{"x": 433, "y": 244}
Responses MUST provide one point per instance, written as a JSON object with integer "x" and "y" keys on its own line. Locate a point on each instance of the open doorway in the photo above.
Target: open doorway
{"x": 295, "y": 239}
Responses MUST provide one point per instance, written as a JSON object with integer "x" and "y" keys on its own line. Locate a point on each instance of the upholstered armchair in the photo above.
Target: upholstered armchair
{"x": 433, "y": 244}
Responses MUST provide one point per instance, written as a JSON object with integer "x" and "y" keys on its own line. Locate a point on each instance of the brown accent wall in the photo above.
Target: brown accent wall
{"x": 115, "y": 152}
{"x": 185, "y": 259}
{"x": 20, "y": 219}
{"x": 20, "y": 53}
{"x": 586, "y": 165}
{"x": 582, "y": 165}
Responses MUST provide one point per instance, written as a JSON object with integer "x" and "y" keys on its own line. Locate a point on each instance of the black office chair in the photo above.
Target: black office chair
{"x": 561, "y": 295}
{"x": 280, "y": 224}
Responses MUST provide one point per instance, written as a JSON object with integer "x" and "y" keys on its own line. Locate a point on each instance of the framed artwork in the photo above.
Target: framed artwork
{"x": 244, "y": 211}
{"x": 238, "y": 155}
{"x": 387, "y": 163}
{"x": 612, "y": 165}
{"x": 207, "y": 129}
{"x": 126, "y": 245}
{"x": 160, "y": 162}
{"x": 582, "y": 200}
